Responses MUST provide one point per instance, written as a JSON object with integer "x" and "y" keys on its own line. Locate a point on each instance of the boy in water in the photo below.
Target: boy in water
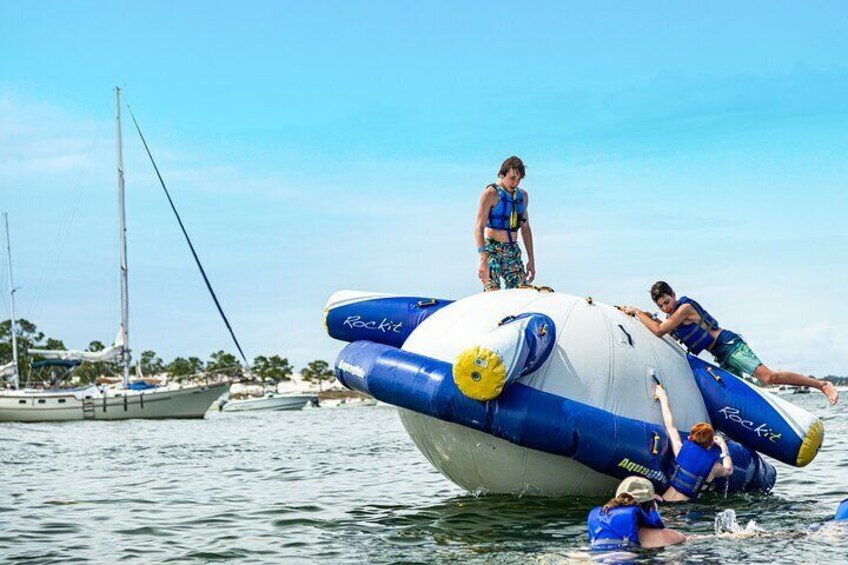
{"x": 693, "y": 327}
{"x": 698, "y": 459}
{"x": 502, "y": 212}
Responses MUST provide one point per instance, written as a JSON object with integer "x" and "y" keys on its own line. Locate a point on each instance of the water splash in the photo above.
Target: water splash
{"x": 725, "y": 523}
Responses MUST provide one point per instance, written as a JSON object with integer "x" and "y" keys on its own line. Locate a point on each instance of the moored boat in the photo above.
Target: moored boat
{"x": 272, "y": 401}
{"x": 92, "y": 403}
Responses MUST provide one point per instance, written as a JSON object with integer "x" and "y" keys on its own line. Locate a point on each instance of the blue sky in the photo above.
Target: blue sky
{"x": 315, "y": 146}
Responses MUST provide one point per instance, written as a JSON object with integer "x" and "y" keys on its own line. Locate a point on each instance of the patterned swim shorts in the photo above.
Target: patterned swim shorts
{"x": 504, "y": 262}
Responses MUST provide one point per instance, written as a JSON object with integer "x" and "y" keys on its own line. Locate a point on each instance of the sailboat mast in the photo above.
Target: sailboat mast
{"x": 13, "y": 327}
{"x": 122, "y": 230}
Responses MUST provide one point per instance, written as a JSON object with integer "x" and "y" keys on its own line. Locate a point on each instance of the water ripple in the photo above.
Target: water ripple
{"x": 342, "y": 486}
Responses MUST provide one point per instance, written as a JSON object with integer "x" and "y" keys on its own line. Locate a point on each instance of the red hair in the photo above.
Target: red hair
{"x": 702, "y": 434}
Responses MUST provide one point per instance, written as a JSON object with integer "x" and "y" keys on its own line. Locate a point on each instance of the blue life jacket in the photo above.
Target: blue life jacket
{"x": 618, "y": 528}
{"x": 508, "y": 213}
{"x": 842, "y": 511}
{"x": 691, "y": 468}
{"x": 695, "y": 337}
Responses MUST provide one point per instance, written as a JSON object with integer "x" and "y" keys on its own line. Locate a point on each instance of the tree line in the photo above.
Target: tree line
{"x": 273, "y": 367}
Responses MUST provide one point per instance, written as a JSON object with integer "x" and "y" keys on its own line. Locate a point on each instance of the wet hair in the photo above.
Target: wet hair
{"x": 625, "y": 499}
{"x": 660, "y": 289}
{"x": 702, "y": 434}
{"x": 512, "y": 163}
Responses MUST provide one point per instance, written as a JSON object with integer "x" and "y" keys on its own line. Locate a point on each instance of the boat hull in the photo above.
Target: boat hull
{"x": 275, "y": 403}
{"x": 189, "y": 402}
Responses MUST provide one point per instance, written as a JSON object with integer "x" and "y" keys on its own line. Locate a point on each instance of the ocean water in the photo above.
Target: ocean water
{"x": 347, "y": 485}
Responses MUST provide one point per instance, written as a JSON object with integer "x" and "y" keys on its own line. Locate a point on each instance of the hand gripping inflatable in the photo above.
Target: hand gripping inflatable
{"x": 517, "y": 347}
{"x": 568, "y": 421}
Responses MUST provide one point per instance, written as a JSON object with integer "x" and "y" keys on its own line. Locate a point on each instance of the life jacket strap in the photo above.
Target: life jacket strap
{"x": 617, "y": 542}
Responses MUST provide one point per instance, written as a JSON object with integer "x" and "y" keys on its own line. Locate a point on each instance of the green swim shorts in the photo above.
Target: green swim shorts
{"x": 734, "y": 355}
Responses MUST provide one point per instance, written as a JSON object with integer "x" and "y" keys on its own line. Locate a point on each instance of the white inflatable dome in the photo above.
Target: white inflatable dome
{"x": 602, "y": 358}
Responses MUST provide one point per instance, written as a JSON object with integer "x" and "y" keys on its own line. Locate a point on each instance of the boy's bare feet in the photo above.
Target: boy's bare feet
{"x": 830, "y": 392}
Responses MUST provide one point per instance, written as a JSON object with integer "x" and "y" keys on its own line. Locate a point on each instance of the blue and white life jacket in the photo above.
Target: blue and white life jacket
{"x": 618, "y": 528}
{"x": 508, "y": 213}
{"x": 691, "y": 468}
{"x": 696, "y": 337}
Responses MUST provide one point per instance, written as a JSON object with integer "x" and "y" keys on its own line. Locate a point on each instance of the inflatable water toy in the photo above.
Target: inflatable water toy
{"x": 538, "y": 392}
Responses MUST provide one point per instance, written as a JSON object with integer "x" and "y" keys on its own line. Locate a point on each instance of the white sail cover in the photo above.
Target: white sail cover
{"x": 112, "y": 352}
{"x": 8, "y": 369}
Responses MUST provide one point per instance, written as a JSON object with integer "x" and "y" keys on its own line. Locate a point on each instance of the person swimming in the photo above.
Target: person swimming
{"x": 630, "y": 520}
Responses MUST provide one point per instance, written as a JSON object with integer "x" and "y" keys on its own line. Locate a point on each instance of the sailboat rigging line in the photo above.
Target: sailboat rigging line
{"x": 188, "y": 240}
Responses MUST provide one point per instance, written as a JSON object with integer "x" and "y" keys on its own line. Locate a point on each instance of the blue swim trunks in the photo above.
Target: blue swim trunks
{"x": 734, "y": 355}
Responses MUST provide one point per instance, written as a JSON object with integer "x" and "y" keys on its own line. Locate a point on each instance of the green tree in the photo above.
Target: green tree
{"x": 317, "y": 371}
{"x": 179, "y": 368}
{"x": 196, "y": 365}
{"x": 223, "y": 362}
{"x": 54, "y": 344}
{"x": 90, "y": 371}
{"x": 151, "y": 364}
{"x": 275, "y": 368}
{"x": 28, "y": 337}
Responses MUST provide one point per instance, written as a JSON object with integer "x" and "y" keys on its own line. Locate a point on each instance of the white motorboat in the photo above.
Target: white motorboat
{"x": 271, "y": 401}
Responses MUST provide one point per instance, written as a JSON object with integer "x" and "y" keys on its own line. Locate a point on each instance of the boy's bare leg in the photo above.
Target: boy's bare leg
{"x": 770, "y": 377}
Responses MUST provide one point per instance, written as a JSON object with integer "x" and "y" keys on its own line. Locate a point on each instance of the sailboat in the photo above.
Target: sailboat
{"x": 93, "y": 402}
{"x": 9, "y": 371}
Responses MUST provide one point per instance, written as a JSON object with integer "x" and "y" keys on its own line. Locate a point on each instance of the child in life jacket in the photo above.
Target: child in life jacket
{"x": 690, "y": 324}
{"x": 698, "y": 459}
{"x": 630, "y": 520}
{"x": 501, "y": 214}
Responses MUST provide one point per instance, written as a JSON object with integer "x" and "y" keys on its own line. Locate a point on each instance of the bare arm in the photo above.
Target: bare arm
{"x": 653, "y": 537}
{"x": 487, "y": 200}
{"x": 724, "y": 467}
{"x": 527, "y": 237}
{"x": 668, "y": 419}
{"x": 658, "y": 328}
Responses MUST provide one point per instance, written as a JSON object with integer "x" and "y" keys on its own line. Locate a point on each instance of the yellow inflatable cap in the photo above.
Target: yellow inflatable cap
{"x": 811, "y": 444}
{"x": 479, "y": 373}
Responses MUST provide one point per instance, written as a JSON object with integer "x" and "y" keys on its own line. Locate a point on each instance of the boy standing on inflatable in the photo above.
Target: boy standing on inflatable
{"x": 693, "y": 327}
{"x": 698, "y": 459}
{"x": 502, "y": 212}
{"x": 630, "y": 520}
